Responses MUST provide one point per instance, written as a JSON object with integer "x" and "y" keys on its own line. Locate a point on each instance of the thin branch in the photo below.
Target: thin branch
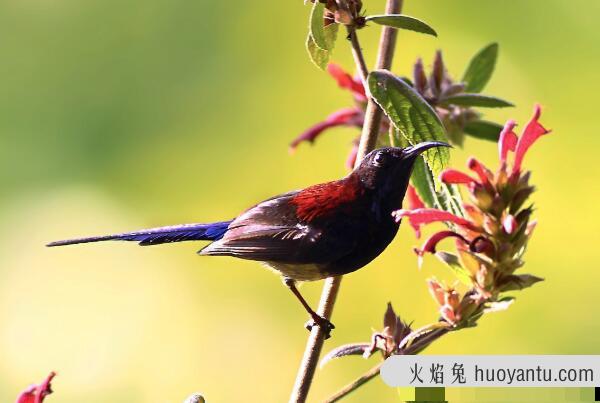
{"x": 366, "y": 377}
{"x": 359, "y": 58}
{"x": 419, "y": 346}
{"x": 314, "y": 345}
{"x": 368, "y": 140}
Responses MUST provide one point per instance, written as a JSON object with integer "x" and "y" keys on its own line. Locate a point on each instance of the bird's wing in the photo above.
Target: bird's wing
{"x": 272, "y": 231}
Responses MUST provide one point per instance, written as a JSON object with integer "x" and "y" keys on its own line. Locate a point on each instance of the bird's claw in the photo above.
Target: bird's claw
{"x": 323, "y": 323}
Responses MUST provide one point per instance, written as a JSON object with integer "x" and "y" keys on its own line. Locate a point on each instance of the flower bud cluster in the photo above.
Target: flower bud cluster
{"x": 492, "y": 236}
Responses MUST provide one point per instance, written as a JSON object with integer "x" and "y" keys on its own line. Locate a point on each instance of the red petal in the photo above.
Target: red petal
{"x": 37, "y": 393}
{"x": 343, "y": 117}
{"x": 420, "y": 217}
{"x": 454, "y": 176}
{"x": 432, "y": 241}
{"x": 532, "y": 132}
{"x": 507, "y": 140}
{"x": 346, "y": 81}
{"x": 414, "y": 201}
{"x": 484, "y": 174}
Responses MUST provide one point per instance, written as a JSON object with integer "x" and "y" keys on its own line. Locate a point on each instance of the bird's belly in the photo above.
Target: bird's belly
{"x": 299, "y": 272}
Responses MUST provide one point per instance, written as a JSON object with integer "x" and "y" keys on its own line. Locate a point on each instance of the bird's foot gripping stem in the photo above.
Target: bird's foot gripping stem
{"x": 316, "y": 319}
{"x": 322, "y": 322}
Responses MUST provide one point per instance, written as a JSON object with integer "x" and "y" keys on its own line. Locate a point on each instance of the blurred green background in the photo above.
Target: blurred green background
{"x": 120, "y": 115}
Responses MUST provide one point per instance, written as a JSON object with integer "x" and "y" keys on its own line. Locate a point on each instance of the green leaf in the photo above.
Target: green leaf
{"x": 422, "y": 180}
{"x": 518, "y": 282}
{"x": 421, "y": 177}
{"x": 403, "y": 22}
{"x": 483, "y": 101}
{"x": 454, "y": 264}
{"x": 480, "y": 68}
{"x": 316, "y": 26}
{"x": 414, "y": 118}
{"x": 483, "y": 129}
{"x": 317, "y": 55}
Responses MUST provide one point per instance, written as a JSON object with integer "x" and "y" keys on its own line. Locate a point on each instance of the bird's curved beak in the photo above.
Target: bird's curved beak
{"x": 417, "y": 149}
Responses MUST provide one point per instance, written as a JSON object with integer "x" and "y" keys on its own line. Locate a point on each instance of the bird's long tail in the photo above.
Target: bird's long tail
{"x": 155, "y": 236}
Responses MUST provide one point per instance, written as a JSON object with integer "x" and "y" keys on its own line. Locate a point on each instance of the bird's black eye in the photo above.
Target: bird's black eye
{"x": 379, "y": 159}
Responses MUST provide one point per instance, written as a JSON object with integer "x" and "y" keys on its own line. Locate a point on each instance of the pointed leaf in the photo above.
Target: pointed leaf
{"x": 482, "y": 101}
{"x": 519, "y": 282}
{"x": 480, "y": 68}
{"x": 483, "y": 129}
{"x": 403, "y": 22}
{"x": 415, "y": 336}
{"x": 317, "y": 55}
{"x": 316, "y": 26}
{"x": 347, "y": 349}
{"x": 453, "y": 263}
{"x": 411, "y": 114}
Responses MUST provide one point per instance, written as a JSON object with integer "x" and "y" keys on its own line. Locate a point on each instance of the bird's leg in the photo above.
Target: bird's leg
{"x": 317, "y": 319}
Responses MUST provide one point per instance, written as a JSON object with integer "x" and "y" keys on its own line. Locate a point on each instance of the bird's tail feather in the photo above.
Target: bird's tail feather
{"x": 155, "y": 236}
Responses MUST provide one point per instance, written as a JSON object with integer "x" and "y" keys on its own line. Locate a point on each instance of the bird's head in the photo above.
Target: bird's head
{"x": 387, "y": 169}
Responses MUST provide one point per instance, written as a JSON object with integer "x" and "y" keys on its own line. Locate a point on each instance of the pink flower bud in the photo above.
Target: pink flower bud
{"x": 509, "y": 224}
{"x": 419, "y": 77}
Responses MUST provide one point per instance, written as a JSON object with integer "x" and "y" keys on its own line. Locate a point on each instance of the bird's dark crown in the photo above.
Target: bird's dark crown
{"x": 391, "y": 166}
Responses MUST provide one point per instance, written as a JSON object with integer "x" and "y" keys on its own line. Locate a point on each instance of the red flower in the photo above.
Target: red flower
{"x": 346, "y": 81}
{"x": 37, "y": 393}
{"x": 414, "y": 201}
{"x": 490, "y": 239}
{"x": 422, "y": 216}
{"x": 533, "y": 131}
{"x": 353, "y": 116}
{"x": 343, "y": 117}
{"x": 432, "y": 241}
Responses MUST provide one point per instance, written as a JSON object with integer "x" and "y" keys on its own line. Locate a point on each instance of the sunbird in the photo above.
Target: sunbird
{"x": 324, "y": 230}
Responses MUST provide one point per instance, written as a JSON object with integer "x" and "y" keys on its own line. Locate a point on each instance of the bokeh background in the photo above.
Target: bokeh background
{"x": 120, "y": 115}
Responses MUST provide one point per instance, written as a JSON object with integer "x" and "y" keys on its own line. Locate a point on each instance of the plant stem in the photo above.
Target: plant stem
{"x": 373, "y": 114}
{"x": 368, "y": 140}
{"x": 359, "y": 58}
{"x": 373, "y": 372}
{"x": 366, "y": 377}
